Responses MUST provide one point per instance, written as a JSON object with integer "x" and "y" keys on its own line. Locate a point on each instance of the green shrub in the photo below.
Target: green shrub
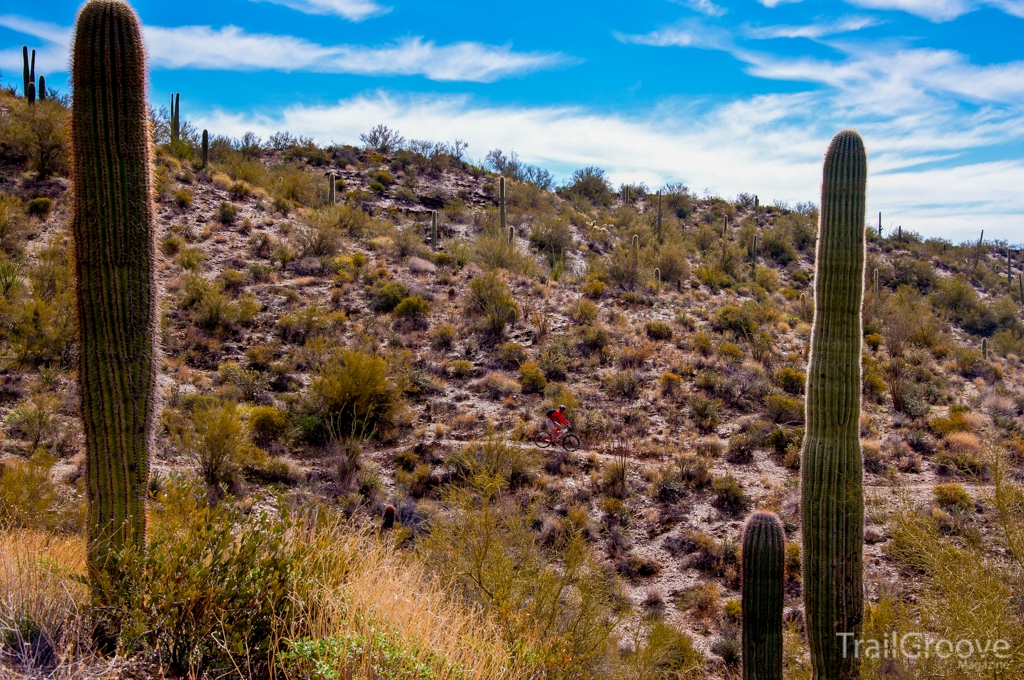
{"x": 267, "y": 425}
{"x": 532, "y": 379}
{"x": 387, "y": 295}
{"x": 227, "y": 213}
{"x": 30, "y": 499}
{"x": 461, "y": 368}
{"x": 583, "y": 312}
{"x": 215, "y": 440}
{"x": 208, "y": 573}
{"x": 190, "y": 258}
{"x": 624, "y": 384}
{"x": 512, "y": 354}
{"x": 594, "y": 338}
{"x": 39, "y": 207}
{"x": 790, "y": 379}
{"x": 183, "y": 198}
{"x": 658, "y": 330}
{"x": 171, "y": 245}
{"x": 12, "y": 224}
{"x": 354, "y": 395}
{"x": 443, "y": 337}
{"x": 593, "y": 289}
{"x": 695, "y": 471}
{"x": 783, "y": 409}
{"x": 707, "y": 413}
{"x": 729, "y": 495}
{"x": 414, "y": 307}
{"x": 952, "y": 495}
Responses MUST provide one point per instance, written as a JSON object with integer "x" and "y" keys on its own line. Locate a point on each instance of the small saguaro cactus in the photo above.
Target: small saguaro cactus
{"x": 175, "y": 116}
{"x": 115, "y": 258}
{"x": 206, "y": 148}
{"x": 832, "y": 477}
{"x": 41, "y": 92}
{"x": 433, "y": 229}
{"x": 501, "y": 204}
{"x": 984, "y": 348}
{"x": 332, "y": 179}
{"x": 764, "y": 548}
{"x": 1020, "y": 284}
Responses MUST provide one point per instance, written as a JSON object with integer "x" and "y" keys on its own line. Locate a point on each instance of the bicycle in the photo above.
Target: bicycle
{"x": 569, "y": 442}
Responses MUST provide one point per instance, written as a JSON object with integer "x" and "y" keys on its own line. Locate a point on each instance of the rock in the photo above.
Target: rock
{"x": 418, "y": 265}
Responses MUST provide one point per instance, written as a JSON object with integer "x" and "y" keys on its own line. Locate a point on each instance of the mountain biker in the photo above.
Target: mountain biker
{"x": 556, "y": 421}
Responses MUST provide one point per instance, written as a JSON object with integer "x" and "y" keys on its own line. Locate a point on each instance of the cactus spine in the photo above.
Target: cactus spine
{"x": 501, "y": 204}
{"x": 764, "y": 546}
{"x": 433, "y": 229}
{"x": 114, "y": 263}
{"x": 832, "y": 494}
{"x": 175, "y": 116}
{"x": 206, "y": 148}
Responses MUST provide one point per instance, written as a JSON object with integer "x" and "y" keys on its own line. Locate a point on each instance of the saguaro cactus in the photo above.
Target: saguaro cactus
{"x": 206, "y": 148}
{"x": 831, "y": 483}
{"x": 114, "y": 263}
{"x": 501, "y": 203}
{"x": 41, "y": 92}
{"x": 764, "y": 547}
{"x": 433, "y": 229}
{"x": 175, "y": 116}
{"x": 28, "y": 72}
{"x": 659, "y": 215}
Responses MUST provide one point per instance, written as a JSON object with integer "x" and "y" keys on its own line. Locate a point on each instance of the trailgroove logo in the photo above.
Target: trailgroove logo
{"x": 978, "y": 654}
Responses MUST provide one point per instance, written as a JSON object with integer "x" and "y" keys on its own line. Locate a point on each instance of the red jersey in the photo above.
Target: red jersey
{"x": 558, "y": 418}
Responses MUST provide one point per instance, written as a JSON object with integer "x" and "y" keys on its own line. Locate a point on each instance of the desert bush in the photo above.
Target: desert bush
{"x": 512, "y": 354}
{"x": 728, "y": 494}
{"x": 29, "y": 498}
{"x": 593, "y": 289}
{"x": 588, "y": 183}
{"x": 658, "y": 330}
{"x": 414, "y": 308}
{"x": 790, "y": 379}
{"x": 36, "y": 135}
{"x": 227, "y": 213}
{"x": 952, "y": 495}
{"x": 695, "y": 471}
{"x": 625, "y": 267}
{"x": 353, "y": 394}
{"x": 783, "y": 409}
{"x": 267, "y": 425}
{"x": 583, "y": 312}
{"x": 215, "y": 439}
{"x": 531, "y": 378}
{"x": 387, "y": 295}
{"x": 208, "y": 574}
{"x": 490, "y": 297}
{"x": 625, "y": 384}
{"x": 12, "y": 224}
{"x": 594, "y": 338}
{"x": 442, "y": 337}
{"x": 707, "y": 413}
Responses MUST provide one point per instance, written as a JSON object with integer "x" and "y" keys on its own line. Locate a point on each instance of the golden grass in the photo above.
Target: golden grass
{"x": 363, "y": 585}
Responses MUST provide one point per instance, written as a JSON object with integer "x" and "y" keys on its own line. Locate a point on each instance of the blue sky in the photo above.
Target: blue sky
{"x": 724, "y": 96}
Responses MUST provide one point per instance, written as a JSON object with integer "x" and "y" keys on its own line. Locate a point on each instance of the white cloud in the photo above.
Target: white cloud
{"x": 353, "y": 10}
{"x": 770, "y": 145}
{"x": 706, "y": 7}
{"x": 771, "y": 4}
{"x": 938, "y": 11}
{"x": 232, "y": 49}
{"x": 811, "y": 31}
{"x": 683, "y": 34}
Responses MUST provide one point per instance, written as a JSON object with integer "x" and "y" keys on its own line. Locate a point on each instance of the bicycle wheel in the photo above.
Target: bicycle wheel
{"x": 570, "y": 442}
{"x": 543, "y": 440}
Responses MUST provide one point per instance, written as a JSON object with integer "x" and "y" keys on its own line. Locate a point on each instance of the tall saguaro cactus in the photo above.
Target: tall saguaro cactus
{"x": 175, "y": 116}
{"x": 764, "y": 547}
{"x": 832, "y": 494}
{"x": 206, "y": 148}
{"x": 114, "y": 263}
{"x": 28, "y": 72}
{"x": 501, "y": 203}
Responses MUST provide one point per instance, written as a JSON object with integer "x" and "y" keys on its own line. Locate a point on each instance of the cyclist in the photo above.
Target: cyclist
{"x": 556, "y": 421}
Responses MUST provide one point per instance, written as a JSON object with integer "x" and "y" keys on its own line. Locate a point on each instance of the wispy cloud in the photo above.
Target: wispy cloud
{"x": 775, "y": 3}
{"x": 353, "y": 10}
{"x": 938, "y": 11}
{"x": 771, "y": 145}
{"x": 706, "y": 7}
{"x": 232, "y": 49}
{"x": 812, "y": 31}
{"x": 682, "y": 34}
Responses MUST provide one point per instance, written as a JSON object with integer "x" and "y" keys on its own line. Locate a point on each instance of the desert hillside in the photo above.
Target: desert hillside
{"x": 397, "y": 341}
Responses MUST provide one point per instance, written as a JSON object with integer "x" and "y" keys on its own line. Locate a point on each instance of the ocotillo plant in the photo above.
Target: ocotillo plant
{"x": 764, "y": 547}
{"x": 115, "y": 255}
{"x": 831, "y": 485}
{"x": 206, "y": 148}
{"x": 433, "y": 229}
{"x": 175, "y": 116}
{"x": 501, "y": 203}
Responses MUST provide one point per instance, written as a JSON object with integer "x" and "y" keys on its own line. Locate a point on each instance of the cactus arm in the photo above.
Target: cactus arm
{"x": 832, "y": 475}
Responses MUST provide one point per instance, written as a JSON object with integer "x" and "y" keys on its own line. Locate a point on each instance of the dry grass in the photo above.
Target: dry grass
{"x": 363, "y": 586}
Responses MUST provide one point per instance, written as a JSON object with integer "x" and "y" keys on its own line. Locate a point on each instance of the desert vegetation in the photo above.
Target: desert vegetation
{"x": 349, "y": 350}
